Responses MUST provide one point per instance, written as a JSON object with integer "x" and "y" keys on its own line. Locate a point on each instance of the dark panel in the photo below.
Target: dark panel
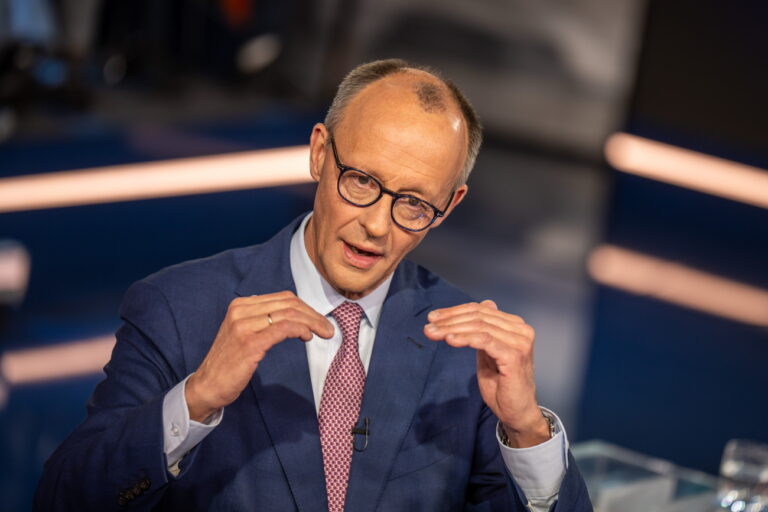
{"x": 702, "y": 77}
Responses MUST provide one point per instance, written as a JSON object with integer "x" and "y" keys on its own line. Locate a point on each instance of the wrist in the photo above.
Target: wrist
{"x": 524, "y": 435}
{"x": 199, "y": 408}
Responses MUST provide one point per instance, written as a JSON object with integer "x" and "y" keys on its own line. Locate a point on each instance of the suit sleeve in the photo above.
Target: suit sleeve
{"x": 573, "y": 494}
{"x": 115, "y": 460}
{"x": 492, "y": 488}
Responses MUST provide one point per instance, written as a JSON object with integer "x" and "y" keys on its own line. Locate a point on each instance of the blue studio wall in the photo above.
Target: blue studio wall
{"x": 84, "y": 257}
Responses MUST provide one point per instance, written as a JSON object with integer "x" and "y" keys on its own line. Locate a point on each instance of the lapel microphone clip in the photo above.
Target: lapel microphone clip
{"x": 361, "y": 432}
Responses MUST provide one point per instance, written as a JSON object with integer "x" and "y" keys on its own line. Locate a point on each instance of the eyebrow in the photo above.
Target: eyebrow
{"x": 408, "y": 191}
{"x": 375, "y": 174}
{"x": 420, "y": 194}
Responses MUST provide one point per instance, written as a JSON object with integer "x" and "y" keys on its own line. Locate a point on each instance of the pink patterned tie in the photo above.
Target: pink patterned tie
{"x": 340, "y": 406}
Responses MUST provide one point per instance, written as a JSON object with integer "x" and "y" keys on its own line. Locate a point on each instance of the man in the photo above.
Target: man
{"x": 320, "y": 371}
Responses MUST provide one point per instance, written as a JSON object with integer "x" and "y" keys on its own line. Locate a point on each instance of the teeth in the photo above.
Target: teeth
{"x": 360, "y": 251}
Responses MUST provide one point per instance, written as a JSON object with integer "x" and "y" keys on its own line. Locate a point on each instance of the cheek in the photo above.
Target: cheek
{"x": 404, "y": 242}
{"x": 333, "y": 215}
{"x": 326, "y": 205}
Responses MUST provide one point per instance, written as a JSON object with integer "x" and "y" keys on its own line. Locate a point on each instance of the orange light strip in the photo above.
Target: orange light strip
{"x": 14, "y": 270}
{"x": 55, "y": 362}
{"x": 689, "y": 169}
{"x": 184, "y": 176}
{"x": 678, "y": 284}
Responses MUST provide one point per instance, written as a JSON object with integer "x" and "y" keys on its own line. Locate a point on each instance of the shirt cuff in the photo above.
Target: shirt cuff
{"x": 539, "y": 470}
{"x": 180, "y": 433}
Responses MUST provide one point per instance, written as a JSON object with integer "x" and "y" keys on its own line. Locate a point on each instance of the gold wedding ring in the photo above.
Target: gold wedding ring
{"x": 269, "y": 318}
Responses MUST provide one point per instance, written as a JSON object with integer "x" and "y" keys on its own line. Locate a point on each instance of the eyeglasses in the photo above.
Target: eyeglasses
{"x": 361, "y": 189}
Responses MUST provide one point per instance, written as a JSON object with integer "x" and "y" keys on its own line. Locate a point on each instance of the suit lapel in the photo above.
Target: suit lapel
{"x": 282, "y": 384}
{"x": 400, "y": 363}
{"x": 397, "y": 374}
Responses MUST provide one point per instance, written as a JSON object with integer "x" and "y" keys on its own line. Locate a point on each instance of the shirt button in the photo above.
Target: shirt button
{"x": 174, "y": 430}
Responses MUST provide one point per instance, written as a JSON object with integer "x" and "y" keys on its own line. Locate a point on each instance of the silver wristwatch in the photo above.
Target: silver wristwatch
{"x": 505, "y": 439}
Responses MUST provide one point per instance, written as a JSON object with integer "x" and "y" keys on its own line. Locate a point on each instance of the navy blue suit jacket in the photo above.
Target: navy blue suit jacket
{"x": 432, "y": 443}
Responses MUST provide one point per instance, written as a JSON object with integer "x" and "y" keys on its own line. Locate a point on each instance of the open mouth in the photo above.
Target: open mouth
{"x": 360, "y": 258}
{"x": 362, "y": 252}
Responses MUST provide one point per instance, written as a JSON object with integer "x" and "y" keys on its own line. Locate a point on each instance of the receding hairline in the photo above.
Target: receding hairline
{"x": 419, "y": 93}
{"x": 420, "y": 89}
{"x": 431, "y": 94}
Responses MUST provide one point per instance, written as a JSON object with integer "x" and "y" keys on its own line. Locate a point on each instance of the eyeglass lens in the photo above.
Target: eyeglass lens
{"x": 363, "y": 190}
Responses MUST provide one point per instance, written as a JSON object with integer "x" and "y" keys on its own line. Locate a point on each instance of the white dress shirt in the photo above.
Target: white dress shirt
{"x": 538, "y": 470}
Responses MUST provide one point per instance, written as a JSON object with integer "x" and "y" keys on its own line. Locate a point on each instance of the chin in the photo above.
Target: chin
{"x": 352, "y": 286}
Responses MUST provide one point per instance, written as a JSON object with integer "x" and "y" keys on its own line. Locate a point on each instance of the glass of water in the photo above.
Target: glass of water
{"x": 743, "y": 484}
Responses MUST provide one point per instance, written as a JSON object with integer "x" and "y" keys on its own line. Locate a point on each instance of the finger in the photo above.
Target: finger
{"x": 501, "y": 337}
{"x": 502, "y": 358}
{"x": 279, "y": 298}
{"x": 489, "y": 303}
{"x": 479, "y": 341}
{"x": 258, "y": 299}
{"x": 453, "y": 310}
{"x": 279, "y": 331}
{"x": 289, "y": 311}
{"x": 316, "y": 322}
{"x": 518, "y": 334}
{"x": 485, "y": 315}
{"x": 273, "y": 302}
{"x": 486, "y": 308}
{"x": 280, "y": 302}
{"x": 259, "y": 325}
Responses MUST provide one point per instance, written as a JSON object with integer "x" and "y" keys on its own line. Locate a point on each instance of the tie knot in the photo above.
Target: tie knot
{"x": 348, "y": 316}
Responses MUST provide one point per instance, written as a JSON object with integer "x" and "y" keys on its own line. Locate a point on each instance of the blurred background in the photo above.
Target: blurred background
{"x": 619, "y": 204}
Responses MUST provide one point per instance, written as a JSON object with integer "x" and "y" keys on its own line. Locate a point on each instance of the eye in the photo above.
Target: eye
{"x": 412, "y": 208}
{"x": 360, "y": 181}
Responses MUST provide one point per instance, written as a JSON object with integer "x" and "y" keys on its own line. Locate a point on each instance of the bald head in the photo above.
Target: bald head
{"x": 412, "y": 111}
{"x": 432, "y": 93}
{"x": 430, "y": 96}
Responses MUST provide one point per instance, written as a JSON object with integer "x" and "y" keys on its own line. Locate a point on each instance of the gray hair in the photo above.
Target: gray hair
{"x": 429, "y": 97}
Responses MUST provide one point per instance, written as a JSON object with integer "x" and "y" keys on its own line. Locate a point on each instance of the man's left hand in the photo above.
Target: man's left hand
{"x": 504, "y": 345}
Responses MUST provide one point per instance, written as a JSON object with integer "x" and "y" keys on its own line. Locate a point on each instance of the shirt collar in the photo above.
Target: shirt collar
{"x": 313, "y": 289}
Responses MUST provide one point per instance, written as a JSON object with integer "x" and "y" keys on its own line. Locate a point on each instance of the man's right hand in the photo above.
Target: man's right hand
{"x": 244, "y": 337}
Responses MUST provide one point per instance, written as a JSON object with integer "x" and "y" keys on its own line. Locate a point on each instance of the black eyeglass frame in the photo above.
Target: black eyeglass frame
{"x": 384, "y": 190}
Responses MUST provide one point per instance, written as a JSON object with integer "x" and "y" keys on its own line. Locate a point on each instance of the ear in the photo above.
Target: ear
{"x": 318, "y": 147}
{"x": 458, "y": 197}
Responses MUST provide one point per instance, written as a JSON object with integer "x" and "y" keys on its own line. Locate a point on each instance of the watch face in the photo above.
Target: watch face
{"x": 552, "y": 424}
{"x": 502, "y": 435}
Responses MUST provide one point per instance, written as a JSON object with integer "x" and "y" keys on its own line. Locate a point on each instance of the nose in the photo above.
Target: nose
{"x": 377, "y": 218}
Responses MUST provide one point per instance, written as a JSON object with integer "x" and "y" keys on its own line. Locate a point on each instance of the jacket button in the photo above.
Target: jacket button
{"x": 145, "y": 484}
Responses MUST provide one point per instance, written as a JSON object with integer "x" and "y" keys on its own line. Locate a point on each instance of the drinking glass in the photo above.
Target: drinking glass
{"x": 743, "y": 484}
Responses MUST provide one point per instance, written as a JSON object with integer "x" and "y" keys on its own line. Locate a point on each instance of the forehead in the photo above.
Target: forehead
{"x": 410, "y": 137}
